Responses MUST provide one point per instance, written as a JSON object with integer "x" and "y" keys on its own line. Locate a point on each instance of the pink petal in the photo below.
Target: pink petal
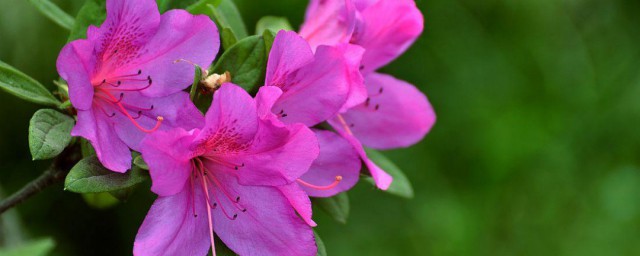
{"x": 232, "y": 118}
{"x": 288, "y": 54}
{"x": 317, "y": 91}
{"x": 328, "y": 22}
{"x": 170, "y": 227}
{"x": 96, "y": 127}
{"x": 75, "y": 64}
{"x": 177, "y": 110}
{"x": 168, "y": 155}
{"x": 278, "y": 155}
{"x": 403, "y": 116}
{"x": 300, "y": 201}
{"x": 382, "y": 179}
{"x": 269, "y": 226}
{"x": 357, "y": 90}
{"x": 387, "y": 38}
{"x": 265, "y": 99}
{"x": 180, "y": 36}
{"x": 337, "y": 158}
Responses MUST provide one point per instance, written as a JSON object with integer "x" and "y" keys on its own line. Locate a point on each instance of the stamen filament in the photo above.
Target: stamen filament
{"x": 344, "y": 124}
{"x": 206, "y": 190}
{"x": 330, "y": 186}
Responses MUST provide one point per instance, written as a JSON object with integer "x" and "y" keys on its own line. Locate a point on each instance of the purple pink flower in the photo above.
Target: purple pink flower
{"x": 124, "y": 80}
{"x": 235, "y": 176}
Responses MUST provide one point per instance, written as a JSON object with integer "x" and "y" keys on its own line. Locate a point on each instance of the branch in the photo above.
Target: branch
{"x": 55, "y": 174}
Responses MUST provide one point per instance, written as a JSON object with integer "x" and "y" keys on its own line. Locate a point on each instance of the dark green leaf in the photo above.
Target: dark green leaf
{"x": 86, "y": 148}
{"x": 123, "y": 195}
{"x": 93, "y": 12}
{"x": 322, "y": 250}
{"x": 100, "y": 201}
{"x": 400, "y": 185}
{"x": 39, "y": 247}
{"x": 336, "y": 206}
{"x": 224, "y": 13}
{"x": 222, "y": 249}
{"x": 89, "y": 176}
{"x": 54, "y": 13}
{"x": 165, "y": 5}
{"x": 139, "y": 162}
{"x": 196, "y": 82}
{"x": 49, "y": 133}
{"x": 246, "y": 61}
{"x": 272, "y": 23}
{"x": 228, "y": 38}
{"x": 25, "y": 87}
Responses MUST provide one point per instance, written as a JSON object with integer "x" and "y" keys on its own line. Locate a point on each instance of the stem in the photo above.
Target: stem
{"x": 55, "y": 174}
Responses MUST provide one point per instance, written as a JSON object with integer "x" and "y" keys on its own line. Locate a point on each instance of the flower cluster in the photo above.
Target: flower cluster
{"x": 245, "y": 170}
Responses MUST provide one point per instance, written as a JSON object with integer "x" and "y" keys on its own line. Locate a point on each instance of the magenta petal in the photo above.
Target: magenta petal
{"x": 328, "y": 22}
{"x": 265, "y": 99}
{"x": 269, "y": 226}
{"x": 232, "y": 114}
{"x": 170, "y": 227}
{"x": 357, "y": 90}
{"x": 337, "y": 158}
{"x": 277, "y": 156}
{"x": 300, "y": 201}
{"x": 385, "y": 39}
{"x": 180, "y": 35}
{"x": 396, "y": 115}
{"x": 98, "y": 129}
{"x": 168, "y": 155}
{"x": 288, "y": 54}
{"x": 75, "y": 64}
{"x": 177, "y": 110}
{"x": 319, "y": 89}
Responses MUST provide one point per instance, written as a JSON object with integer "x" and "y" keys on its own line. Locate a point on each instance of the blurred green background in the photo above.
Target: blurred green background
{"x": 535, "y": 152}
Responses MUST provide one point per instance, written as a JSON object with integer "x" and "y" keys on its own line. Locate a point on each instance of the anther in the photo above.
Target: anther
{"x": 377, "y": 106}
{"x": 235, "y": 216}
{"x": 237, "y": 199}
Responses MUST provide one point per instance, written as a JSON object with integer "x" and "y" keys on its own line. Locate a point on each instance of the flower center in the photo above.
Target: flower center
{"x": 107, "y": 89}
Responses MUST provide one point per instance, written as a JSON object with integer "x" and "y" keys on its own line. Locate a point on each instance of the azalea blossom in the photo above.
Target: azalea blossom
{"x": 314, "y": 87}
{"x": 236, "y": 177}
{"x": 394, "y": 113}
{"x": 124, "y": 80}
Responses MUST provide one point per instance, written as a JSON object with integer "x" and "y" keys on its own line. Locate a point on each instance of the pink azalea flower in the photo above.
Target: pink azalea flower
{"x": 124, "y": 80}
{"x": 395, "y": 113}
{"x": 314, "y": 87}
{"x": 234, "y": 177}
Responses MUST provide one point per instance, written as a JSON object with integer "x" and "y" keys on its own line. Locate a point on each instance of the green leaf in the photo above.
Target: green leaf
{"x": 336, "y": 206}
{"x": 86, "y": 148}
{"x": 228, "y": 38}
{"x": 268, "y": 36}
{"x": 164, "y": 5}
{"x": 224, "y": 13}
{"x": 246, "y": 61}
{"x": 25, "y": 87}
{"x": 54, "y": 13}
{"x": 400, "y": 185}
{"x": 93, "y": 12}
{"x": 322, "y": 250}
{"x": 272, "y": 23}
{"x": 123, "y": 195}
{"x": 40, "y": 247}
{"x": 100, "y": 200}
{"x": 222, "y": 249}
{"x": 89, "y": 176}
{"x": 140, "y": 163}
{"x": 49, "y": 133}
{"x": 196, "y": 82}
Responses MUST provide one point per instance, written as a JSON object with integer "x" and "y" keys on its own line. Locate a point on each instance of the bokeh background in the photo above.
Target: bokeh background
{"x": 536, "y": 150}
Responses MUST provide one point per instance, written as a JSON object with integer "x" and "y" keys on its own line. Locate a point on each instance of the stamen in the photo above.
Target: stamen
{"x": 136, "y": 89}
{"x": 344, "y": 124}
{"x": 213, "y": 250}
{"x": 235, "y": 202}
{"x": 224, "y": 163}
{"x": 330, "y": 186}
{"x": 193, "y": 193}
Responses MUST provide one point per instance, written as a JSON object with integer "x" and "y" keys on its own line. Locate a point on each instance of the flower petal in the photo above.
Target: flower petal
{"x": 231, "y": 121}
{"x": 75, "y": 64}
{"x": 98, "y": 129}
{"x": 269, "y": 226}
{"x": 337, "y": 158}
{"x": 288, "y": 54}
{"x": 317, "y": 91}
{"x": 396, "y": 115}
{"x": 385, "y": 39}
{"x": 328, "y": 22}
{"x": 180, "y": 36}
{"x": 265, "y": 99}
{"x": 170, "y": 227}
{"x": 177, "y": 110}
{"x": 277, "y": 156}
{"x": 168, "y": 155}
{"x": 300, "y": 201}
